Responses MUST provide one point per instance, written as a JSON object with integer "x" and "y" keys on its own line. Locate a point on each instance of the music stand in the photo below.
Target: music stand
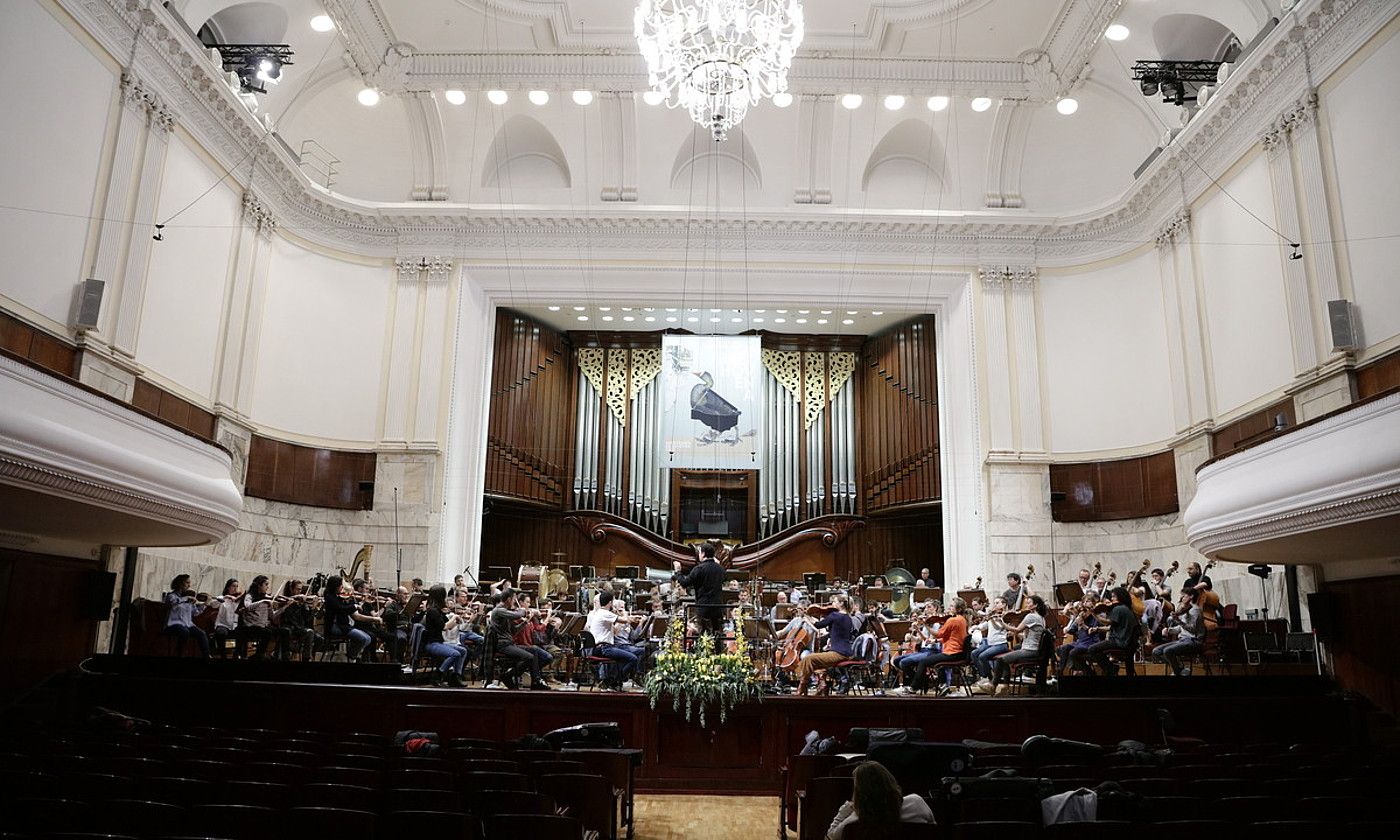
{"x": 658, "y": 627}
{"x": 414, "y": 602}
{"x": 1069, "y": 593}
{"x": 757, "y": 630}
{"x": 573, "y": 624}
{"x": 785, "y": 612}
{"x": 919, "y": 595}
{"x": 814, "y": 581}
{"x": 968, "y": 595}
{"x": 882, "y": 594}
{"x": 768, "y": 598}
{"x": 733, "y": 574}
{"x": 627, "y": 572}
{"x": 896, "y": 629}
{"x": 495, "y": 573}
{"x": 731, "y": 597}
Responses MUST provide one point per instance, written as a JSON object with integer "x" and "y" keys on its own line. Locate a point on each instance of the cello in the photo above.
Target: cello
{"x": 786, "y": 657}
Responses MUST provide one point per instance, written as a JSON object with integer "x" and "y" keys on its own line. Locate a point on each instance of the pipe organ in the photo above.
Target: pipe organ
{"x": 849, "y": 446}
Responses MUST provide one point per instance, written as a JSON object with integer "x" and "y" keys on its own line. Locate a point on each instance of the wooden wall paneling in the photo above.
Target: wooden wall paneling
{"x": 897, "y": 411}
{"x": 1129, "y": 488}
{"x": 1362, "y": 662}
{"x": 37, "y": 347}
{"x": 1251, "y": 428}
{"x": 174, "y": 410}
{"x": 528, "y": 444}
{"x": 42, "y": 627}
{"x": 1378, "y": 377}
{"x": 305, "y": 475}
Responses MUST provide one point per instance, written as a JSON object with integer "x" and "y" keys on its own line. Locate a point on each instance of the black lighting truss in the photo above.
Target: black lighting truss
{"x": 248, "y": 60}
{"x": 1177, "y": 81}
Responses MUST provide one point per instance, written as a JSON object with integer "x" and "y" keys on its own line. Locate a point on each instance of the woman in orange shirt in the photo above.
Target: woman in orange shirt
{"x": 952, "y": 639}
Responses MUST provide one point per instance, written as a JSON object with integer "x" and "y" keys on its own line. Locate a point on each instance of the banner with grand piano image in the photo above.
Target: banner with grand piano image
{"x": 712, "y": 389}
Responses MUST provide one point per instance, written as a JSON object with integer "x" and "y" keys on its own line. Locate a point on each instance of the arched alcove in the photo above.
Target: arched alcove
{"x": 908, "y": 149}
{"x": 734, "y": 158}
{"x": 246, "y": 23}
{"x": 1184, "y": 37}
{"x": 525, "y": 155}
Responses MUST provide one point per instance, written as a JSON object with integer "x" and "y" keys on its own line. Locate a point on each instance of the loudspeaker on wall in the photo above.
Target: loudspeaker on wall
{"x": 95, "y": 595}
{"x": 1322, "y": 610}
{"x": 89, "y": 304}
{"x": 1341, "y": 317}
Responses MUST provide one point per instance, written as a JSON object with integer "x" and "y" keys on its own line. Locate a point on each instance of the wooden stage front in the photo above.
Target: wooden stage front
{"x": 743, "y": 755}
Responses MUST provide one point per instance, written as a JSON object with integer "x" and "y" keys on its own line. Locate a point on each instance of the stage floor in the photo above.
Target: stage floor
{"x": 743, "y": 755}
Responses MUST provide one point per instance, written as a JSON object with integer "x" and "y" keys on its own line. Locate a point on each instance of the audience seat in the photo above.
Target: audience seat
{"x": 532, "y": 826}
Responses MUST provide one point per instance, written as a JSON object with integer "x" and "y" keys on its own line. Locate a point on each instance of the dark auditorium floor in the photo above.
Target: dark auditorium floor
{"x": 711, "y": 817}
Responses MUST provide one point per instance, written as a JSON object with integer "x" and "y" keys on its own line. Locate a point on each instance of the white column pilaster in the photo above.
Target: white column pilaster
{"x": 1295, "y": 278}
{"x": 399, "y": 389}
{"x": 252, "y": 331}
{"x": 133, "y": 287}
{"x": 815, "y": 117}
{"x": 993, "y": 282}
{"x": 1192, "y": 322}
{"x": 432, "y": 330}
{"x": 131, "y": 125}
{"x": 237, "y": 303}
{"x": 1021, "y": 294}
{"x": 1320, "y": 252}
{"x": 1176, "y": 353}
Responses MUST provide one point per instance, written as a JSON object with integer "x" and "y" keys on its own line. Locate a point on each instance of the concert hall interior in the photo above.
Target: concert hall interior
{"x": 699, "y": 418}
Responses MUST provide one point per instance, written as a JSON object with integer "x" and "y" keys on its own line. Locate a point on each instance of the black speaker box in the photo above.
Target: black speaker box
{"x": 95, "y": 595}
{"x": 1322, "y": 608}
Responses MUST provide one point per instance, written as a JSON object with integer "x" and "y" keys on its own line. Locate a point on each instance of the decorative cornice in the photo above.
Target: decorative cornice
{"x": 1012, "y": 277}
{"x": 1329, "y": 30}
{"x": 437, "y": 269}
{"x": 1177, "y": 228}
{"x": 257, "y": 214}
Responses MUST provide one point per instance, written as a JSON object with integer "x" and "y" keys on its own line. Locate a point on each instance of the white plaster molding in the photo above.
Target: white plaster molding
{"x": 1341, "y": 470}
{"x": 1005, "y": 152}
{"x": 59, "y": 440}
{"x": 815, "y": 115}
{"x": 1295, "y": 280}
{"x": 428, "y": 144}
{"x": 618, "y": 111}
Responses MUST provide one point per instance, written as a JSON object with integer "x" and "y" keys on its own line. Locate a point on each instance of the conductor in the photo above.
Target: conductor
{"x": 707, "y": 579}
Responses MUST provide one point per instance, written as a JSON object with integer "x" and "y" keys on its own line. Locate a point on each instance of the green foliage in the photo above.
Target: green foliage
{"x": 703, "y": 677}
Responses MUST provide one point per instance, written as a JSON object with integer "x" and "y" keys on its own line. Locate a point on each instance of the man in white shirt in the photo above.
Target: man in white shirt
{"x": 601, "y": 623}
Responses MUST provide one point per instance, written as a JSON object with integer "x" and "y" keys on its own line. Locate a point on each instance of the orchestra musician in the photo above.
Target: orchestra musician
{"x": 438, "y": 623}
{"x": 501, "y": 627}
{"x": 601, "y": 623}
{"x": 295, "y": 622}
{"x": 395, "y": 621}
{"x": 182, "y": 606}
{"x": 1196, "y": 580}
{"x": 1185, "y": 633}
{"x": 707, "y": 579}
{"x": 467, "y": 637}
{"x": 926, "y": 578}
{"x": 1081, "y": 626}
{"x": 1085, "y": 579}
{"x": 369, "y": 618}
{"x": 341, "y": 609}
{"x": 1122, "y": 634}
{"x": 1017, "y": 590}
{"x": 839, "y": 640}
{"x": 1160, "y": 587}
{"x": 1032, "y": 628}
{"x": 952, "y": 639}
{"x": 535, "y": 634}
{"x": 226, "y": 623}
{"x": 994, "y": 641}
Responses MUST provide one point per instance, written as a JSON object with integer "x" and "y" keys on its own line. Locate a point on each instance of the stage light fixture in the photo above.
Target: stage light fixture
{"x": 322, "y": 23}
{"x": 1117, "y": 32}
{"x": 369, "y": 97}
{"x": 894, "y": 102}
{"x": 1067, "y": 105}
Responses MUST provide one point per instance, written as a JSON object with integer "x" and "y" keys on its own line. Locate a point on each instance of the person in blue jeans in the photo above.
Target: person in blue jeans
{"x": 602, "y": 622}
{"x": 437, "y": 622}
{"x": 340, "y": 611}
{"x": 994, "y": 641}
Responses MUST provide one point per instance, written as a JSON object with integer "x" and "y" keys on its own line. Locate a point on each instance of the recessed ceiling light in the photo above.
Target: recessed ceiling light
{"x": 801, "y": 320}
{"x": 583, "y": 97}
{"x": 804, "y": 312}
{"x": 760, "y": 310}
{"x": 877, "y": 312}
{"x": 821, "y": 320}
{"x": 653, "y": 97}
{"x": 782, "y": 311}
{"x": 322, "y": 23}
{"x": 826, "y": 311}
{"x": 715, "y": 310}
{"x": 456, "y": 97}
{"x": 852, "y": 312}
{"x": 1068, "y": 105}
{"x": 605, "y": 309}
{"x": 736, "y": 320}
{"x": 629, "y": 317}
{"x": 583, "y": 317}
{"x": 780, "y": 320}
{"x": 671, "y": 319}
{"x": 369, "y": 97}
{"x": 1116, "y": 32}
{"x": 497, "y": 97}
{"x": 649, "y": 319}
{"x": 692, "y": 319}
{"x": 579, "y": 308}
{"x": 847, "y": 321}
{"x": 649, "y": 309}
{"x": 670, "y": 309}
{"x": 851, "y": 101}
{"x": 539, "y": 97}
{"x": 937, "y": 103}
{"x": 626, "y": 309}
{"x": 607, "y": 317}
{"x": 782, "y": 100}
{"x": 894, "y": 102}
{"x": 758, "y": 320}
{"x": 553, "y": 309}
{"x": 981, "y": 104}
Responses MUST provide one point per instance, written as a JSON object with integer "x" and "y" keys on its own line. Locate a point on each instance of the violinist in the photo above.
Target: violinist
{"x": 1185, "y": 635}
{"x": 468, "y": 613}
{"x": 370, "y": 618}
{"x": 183, "y": 605}
{"x": 1081, "y": 626}
{"x": 1122, "y": 634}
{"x": 994, "y": 641}
{"x": 395, "y": 621}
{"x": 340, "y": 610}
{"x": 534, "y": 634}
{"x": 921, "y": 638}
{"x": 602, "y": 624}
{"x": 1032, "y": 629}
{"x": 295, "y": 622}
{"x": 952, "y": 639}
{"x": 226, "y": 623}
{"x": 439, "y": 622}
{"x": 839, "y": 644}
{"x": 505, "y": 618}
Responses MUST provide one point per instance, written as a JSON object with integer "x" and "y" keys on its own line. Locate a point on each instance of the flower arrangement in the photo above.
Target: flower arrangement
{"x": 703, "y": 676}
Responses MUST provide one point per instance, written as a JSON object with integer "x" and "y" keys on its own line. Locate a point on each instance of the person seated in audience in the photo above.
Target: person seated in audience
{"x": 1185, "y": 636}
{"x": 878, "y": 804}
{"x": 994, "y": 642}
{"x": 255, "y": 618}
{"x": 226, "y": 623}
{"x": 502, "y": 625}
{"x": 182, "y": 606}
{"x": 603, "y": 622}
{"x": 952, "y": 640}
{"x": 438, "y": 623}
{"x": 1031, "y": 631}
{"x": 1122, "y": 634}
{"x": 839, "y": 640}
{"x": 295, "y": 622}
{"x": 1081, "y": 626}
{"x": 341, "y": 610}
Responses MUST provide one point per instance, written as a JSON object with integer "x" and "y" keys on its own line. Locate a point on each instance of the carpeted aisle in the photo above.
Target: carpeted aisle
{"x": 708, "y": 817}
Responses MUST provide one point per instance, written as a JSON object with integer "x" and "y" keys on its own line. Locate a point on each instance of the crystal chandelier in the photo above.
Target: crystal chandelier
{"x": 715, "y": 58}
